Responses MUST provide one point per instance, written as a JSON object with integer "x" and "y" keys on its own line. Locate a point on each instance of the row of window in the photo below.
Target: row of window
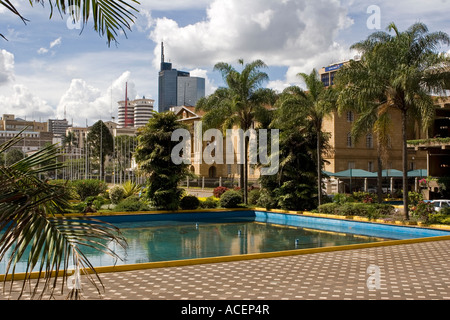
{"x": 369, "y": 141}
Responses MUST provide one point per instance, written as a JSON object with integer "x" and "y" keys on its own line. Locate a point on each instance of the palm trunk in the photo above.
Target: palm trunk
{"x": 319, "y": 170}
{"x": 380, "y": 175}
{"x": 405, "y": 164}
{"x": 246, "y": 172}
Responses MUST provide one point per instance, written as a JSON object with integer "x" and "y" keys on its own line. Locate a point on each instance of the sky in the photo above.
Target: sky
{"x": 50, "y": 68}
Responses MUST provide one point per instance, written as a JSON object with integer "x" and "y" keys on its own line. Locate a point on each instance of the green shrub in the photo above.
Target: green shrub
{"x": 189, "y": 203}
{"x": 131, "y": 204}
{"x": 68, "y": 186}
{"x": 368, "y": 210}
{"x": 253, "y": 196}
{"x": 341, "y": 198}
{"x": 116, "y": 194}
{"x": 130, "y": 188}
{"x": 209, "y": 203}
{"x": 230, "y": 199}
{"x": 414, "y": 198}
{"x": 328, "y": 208}
{"x": 267, "y": 199}
{"x": 89, "y": 188}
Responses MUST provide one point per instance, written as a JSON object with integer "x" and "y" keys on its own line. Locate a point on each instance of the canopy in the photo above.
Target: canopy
{"x": 355, "y": 173}
{"x": 392, "y": 173}
{"x": 418, "y": 173}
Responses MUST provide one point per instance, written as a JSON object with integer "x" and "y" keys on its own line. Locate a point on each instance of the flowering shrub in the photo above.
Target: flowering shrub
{"x": 423, "y": 183}
{"x": 219, "y": 191}
{"x": 422, "y": 211}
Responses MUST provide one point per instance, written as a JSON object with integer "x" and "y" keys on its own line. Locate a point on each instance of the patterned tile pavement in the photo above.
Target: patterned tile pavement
{"x": 419, "y": 271}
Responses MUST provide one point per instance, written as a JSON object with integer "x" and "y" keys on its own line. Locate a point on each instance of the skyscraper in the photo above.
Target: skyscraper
{"x": 177, "y": 88}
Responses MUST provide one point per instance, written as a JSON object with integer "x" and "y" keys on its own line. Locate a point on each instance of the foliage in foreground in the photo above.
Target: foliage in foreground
{"x": 32, "y": 231}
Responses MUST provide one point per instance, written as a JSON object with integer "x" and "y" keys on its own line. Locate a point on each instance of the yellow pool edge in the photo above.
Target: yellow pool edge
{"x": 232, "y": 258}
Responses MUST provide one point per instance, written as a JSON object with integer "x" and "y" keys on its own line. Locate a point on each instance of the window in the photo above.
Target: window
{"x": 325, "y": 79}
{"x": 350, "y": 116}
{"x": 369, "y": 141}
{"x": 412, "y": 166}
{"x": 349, "y": 140}
{"x": 229, "y": 169}
{"x": 370, "y": 166}
{"x": 351, "y": 165}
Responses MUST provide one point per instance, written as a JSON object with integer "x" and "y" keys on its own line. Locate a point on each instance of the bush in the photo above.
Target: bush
{"x": 267, "y": 200}
{"x": 131, "y": 204}
{"x": 368, "y": 210}
{"x": 209, "y": 203}
{"x": 422, "y": 211}
{"x": 253, "y": 196}
{"x": 328, "y": 208}
{"x": 414, "y": 198}
{"x": 341, "y": 198}
{"x": 219, "y": 191}
{"x": 364, "y": 197}
{"x": 68, "y": 186}
{"x": 230, "y": 199}
{"x": 89, "y": 188}
{"x": 189, "y": 203}
{"x": 116, "y": 194}
{"x": 130, "y": 188}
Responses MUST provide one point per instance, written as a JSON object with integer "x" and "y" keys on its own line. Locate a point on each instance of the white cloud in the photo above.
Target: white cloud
{"x": 55, "y": 43}
{"x": 83, "y": 102}
{"x": 42, "y": 50}
{"x": 6, "y": 67}
{"x": 280, "y": 33}
{"x": 25, "y": 104}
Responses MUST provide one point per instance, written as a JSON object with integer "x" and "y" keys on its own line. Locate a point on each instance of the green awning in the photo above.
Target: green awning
{"x": 418, "y": 173}
{"x": 392, "y": 173}
{"x": 355, "y": 173}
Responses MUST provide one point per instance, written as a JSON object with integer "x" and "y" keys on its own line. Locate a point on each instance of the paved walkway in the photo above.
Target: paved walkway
{"x": 413, "y": 271}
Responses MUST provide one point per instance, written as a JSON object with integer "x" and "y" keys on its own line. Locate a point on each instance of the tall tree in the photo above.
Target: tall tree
{"x": 101, "y": 143}
{"x": 314, "y": 105}
{"x": 239, "y": 104}
{"x": 109, "y": 17}
{"x": 402, "y": 71}
{"x": 154, "y": 157}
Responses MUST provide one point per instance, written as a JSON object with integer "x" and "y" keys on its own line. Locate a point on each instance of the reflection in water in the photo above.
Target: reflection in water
{"x": 176, "y": 241}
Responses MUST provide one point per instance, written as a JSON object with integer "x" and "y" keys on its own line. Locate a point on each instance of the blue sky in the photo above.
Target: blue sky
{"x": 47, "y": 68}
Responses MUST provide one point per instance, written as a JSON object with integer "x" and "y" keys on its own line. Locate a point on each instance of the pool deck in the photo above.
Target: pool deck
{"x": 416, "y": 271}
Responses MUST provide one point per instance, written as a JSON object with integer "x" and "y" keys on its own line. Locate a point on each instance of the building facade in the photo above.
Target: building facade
{"x": 136, "y": 113}
{"x": 177, "y": 88}
{"x": 58, "y": 127}
{"x": 346, "y": 153}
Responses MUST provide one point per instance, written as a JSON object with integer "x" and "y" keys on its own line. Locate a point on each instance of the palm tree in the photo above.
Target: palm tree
{"x": 315, "y": 104}
{"x": 109, "y": 17}
{"x": 401, "y": 71}
{"x": 239, "y": 104}
{"x": 35, "y": 230}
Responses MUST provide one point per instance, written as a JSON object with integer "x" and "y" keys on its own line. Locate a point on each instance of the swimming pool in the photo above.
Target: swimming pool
{"x": 182, "y": 236}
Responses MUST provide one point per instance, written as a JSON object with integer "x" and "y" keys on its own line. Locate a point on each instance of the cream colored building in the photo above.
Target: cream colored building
{"x": 346, "y": 153}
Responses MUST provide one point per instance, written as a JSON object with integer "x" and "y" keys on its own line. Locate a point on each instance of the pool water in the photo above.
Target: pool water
{"x": 155, "y": 241}
{"x": 201, "y": 240}
{"x": 169, "y": 237}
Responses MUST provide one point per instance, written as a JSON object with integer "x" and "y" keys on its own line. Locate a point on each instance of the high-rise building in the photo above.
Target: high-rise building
{"x": 177, "y": 88}
{"x": 135, "y": 113}
{"x": 57, "y": 127}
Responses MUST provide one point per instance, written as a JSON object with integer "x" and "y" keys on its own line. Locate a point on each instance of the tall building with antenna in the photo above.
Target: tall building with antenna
{"x": 177, "y": 88}
{"x": 136, "y": 113}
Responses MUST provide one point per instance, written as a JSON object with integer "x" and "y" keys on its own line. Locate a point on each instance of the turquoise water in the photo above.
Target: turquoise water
{"x": 152, "y": 241}
{"x": 167, "y": 237}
